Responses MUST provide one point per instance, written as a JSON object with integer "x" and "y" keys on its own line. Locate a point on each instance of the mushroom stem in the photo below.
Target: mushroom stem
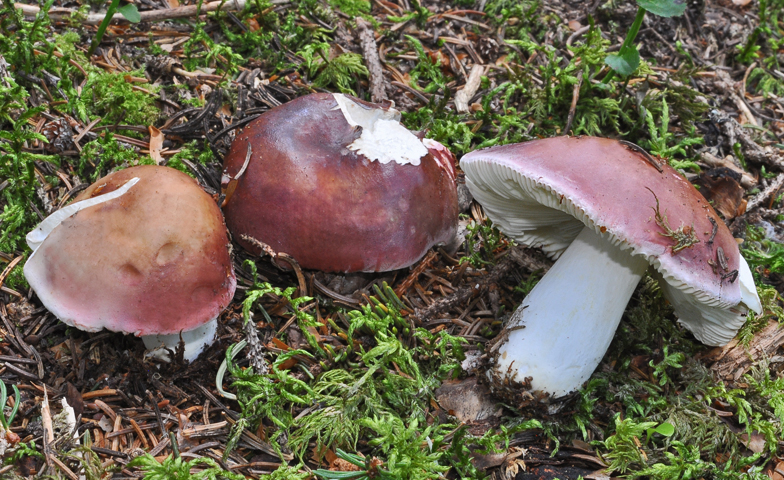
{"x": 560, "y": 333}
{"x": 196, "y": 340}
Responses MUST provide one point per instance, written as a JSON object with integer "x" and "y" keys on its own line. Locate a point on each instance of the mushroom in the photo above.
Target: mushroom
{"x": 340, "y": 185}
{"x": 606, "y": 210}
{"x": 144, "y": 251}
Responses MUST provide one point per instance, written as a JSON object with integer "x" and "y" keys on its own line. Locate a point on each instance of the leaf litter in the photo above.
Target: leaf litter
{"x": 346, "y": 376}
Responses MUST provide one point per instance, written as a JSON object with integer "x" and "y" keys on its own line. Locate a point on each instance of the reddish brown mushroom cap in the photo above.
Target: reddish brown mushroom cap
{"x": 153, "y": 260}
{"x": 315, "y": 188}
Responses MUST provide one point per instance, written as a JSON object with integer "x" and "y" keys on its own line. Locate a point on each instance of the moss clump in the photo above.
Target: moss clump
{"x": 109, "y": 96}
{"x": 352, "y": 8}
{"x": 103, "y": 154}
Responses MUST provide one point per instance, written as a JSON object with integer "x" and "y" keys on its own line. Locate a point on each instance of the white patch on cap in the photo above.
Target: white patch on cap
{"x": 383, "y": 137}
{"x": 36, "y": 237}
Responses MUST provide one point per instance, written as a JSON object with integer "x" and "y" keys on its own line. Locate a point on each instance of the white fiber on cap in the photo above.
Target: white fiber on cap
{"x": 383, "y": 137}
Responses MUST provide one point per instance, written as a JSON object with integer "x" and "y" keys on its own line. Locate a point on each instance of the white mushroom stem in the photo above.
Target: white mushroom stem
{"x": 196, "y": 340}
{"x": 563, "y": 328}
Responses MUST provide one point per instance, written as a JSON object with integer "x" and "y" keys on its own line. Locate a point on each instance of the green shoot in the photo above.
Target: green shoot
{"x": 750, "y": 51}
{"x": 130, "y": 12}
{"x": 625, "y": 449}
{"x": 661, "y": 139}
{"x": 628, "y": 58}
{"x": 369, "y": 468}
{"x": 340, "y": 72}
{"x": 7, "y": 421}
{"x": 420, "y": 14}
{"x": 482, "y": 241}
{"x": 178, "y": 469}
{"x": 669, "y": 361}
{"x": 664, "y": 429}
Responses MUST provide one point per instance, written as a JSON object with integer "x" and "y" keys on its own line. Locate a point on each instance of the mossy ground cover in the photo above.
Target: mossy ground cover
{"x": 336, "y": 389}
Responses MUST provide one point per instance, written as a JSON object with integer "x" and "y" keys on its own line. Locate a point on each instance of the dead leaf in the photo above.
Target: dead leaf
{"x": 598, "y": 475}
{"x": 287, "y": 364}
{"x": 106, "y": 424}
{"x": 590, "y": 458}
{"x": 156, "y": 144}
{"x": 467, "y": 400}
{"x": 756, "y": 444}
{"x": 490, "y": 460}
{"x": 720, "y": 187}
{"x": 584, "y": 446}
{"x": 74, "y": 398}
{"x": 279, "y": 344}
{"x": 778, "y": 471}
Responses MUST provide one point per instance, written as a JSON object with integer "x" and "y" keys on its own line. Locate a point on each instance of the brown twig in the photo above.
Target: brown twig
{"x": 413, "y": 92}
{"x": 515, "y": 257}
{"x": 367, "y": 40}
{"x": 735, "y": 359}
{"x": 9, "y": 268}
{"x": 769, "y": 191}
{"x": 472, "y": 85}
{"x": 751, "y": 150}
{"x": 46, "y": 421}
{"x": 746, "y": 180}
{"x": 573, "y": 107}
{"x": 423, "y": 265}
{"x": 188, "y": 11}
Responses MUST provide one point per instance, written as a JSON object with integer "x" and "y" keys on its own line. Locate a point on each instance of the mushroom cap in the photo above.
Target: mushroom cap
{"x": 542, "y": 193}
{"x": 340, "y": 185}
{"x": 152, "y": 259}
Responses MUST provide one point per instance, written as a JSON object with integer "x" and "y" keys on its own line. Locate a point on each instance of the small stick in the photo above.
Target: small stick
{"x": 412, "y": 91}
{"x": 472, "y": 85}
{"x": 367, "y": 40}
{"x": 735, "y": 132}
{"x": 732, "y": 276}
{"x": 642, "y": 152}
{"x": 573, "y": 107}
{"x": 46, "y": 421}
{"x": 148, "y": 16}
{"x": 758, "y": 199}
{"x": 722, "y": 258}
{"x": 714, "y": 231}
{"x": 157, "y": 413}
{"x": 9, "y": 268}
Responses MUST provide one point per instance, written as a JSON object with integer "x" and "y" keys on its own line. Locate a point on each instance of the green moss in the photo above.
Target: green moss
{"x": 100, "y": 156}
{"x": 109, "y": 96}
{"x": 352, "y": 8}
{"x": 340, "y": 72}
{"x": 379, "y": 390}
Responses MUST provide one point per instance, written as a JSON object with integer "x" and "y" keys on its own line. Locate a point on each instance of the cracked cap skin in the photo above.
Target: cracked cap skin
{"x": 307, "y": 191}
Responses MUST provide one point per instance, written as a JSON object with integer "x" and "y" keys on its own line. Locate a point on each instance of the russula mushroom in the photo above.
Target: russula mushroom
{"x": 606, "y": 211}
{"x": 340, "y": 185}
{"x": 144, "y": 251}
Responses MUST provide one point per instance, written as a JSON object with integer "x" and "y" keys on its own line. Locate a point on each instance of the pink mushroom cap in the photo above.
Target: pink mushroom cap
{"x": 143, "y": 250}
{"x": 607, "y": 211}
{"x": 340, "y": 185}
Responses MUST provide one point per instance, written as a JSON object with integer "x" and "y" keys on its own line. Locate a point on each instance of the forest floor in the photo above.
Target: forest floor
{"x": 371, "y": 374}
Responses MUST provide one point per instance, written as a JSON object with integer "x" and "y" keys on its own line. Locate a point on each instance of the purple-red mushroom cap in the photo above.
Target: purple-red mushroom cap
{"x": 607, "y": 211}
{"x": 142, "y": 251}
{"x": 340, "y": 185}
